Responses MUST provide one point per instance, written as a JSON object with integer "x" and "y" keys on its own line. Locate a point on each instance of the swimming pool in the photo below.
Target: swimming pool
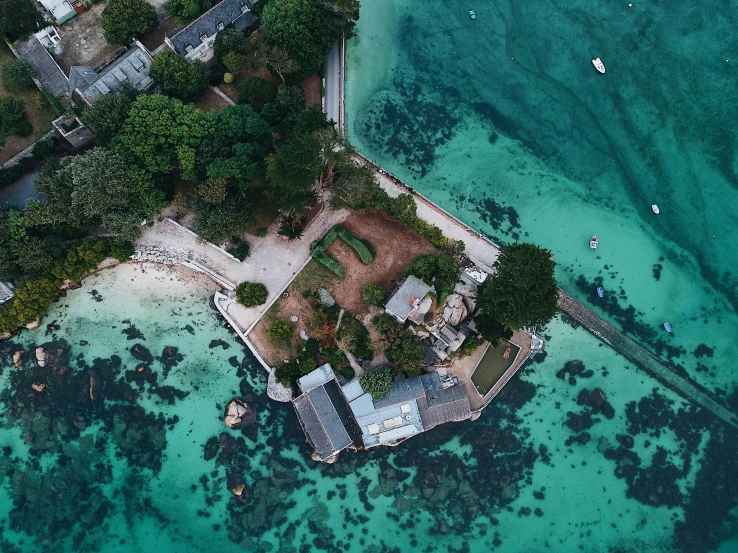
{"x": 492, "y": 366}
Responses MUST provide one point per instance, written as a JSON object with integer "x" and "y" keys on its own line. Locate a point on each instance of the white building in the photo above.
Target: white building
{"x": 62, "y": 10}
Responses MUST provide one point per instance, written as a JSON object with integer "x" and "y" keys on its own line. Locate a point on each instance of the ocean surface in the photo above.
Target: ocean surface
{"x": 504, "y": 122}
{"x": 144, "y": 462}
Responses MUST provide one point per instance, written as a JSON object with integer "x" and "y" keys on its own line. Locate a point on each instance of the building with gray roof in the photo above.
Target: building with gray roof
{"x": 441, "y": 405}
{"x": 6, "y": 292}
{"x": 196, "y": 40}
{"x": 48, "y": 73}
{"x": 407, "y": 298}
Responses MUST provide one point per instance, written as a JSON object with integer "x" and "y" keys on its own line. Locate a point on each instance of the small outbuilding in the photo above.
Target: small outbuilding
{"x": 407, "y": 299}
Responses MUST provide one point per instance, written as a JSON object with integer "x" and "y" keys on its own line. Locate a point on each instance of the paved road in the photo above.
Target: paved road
{"x": 333, "y": 82}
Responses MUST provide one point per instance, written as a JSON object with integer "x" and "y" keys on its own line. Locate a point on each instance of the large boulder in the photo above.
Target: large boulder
{"x": 18, "y": 358}
{"x": 454, "y": 311}
{"x": 276, "y": 391}
{"x": 41, "y": 357}
{"x": 597, "y": 398}
{"x": 239, "y": 414}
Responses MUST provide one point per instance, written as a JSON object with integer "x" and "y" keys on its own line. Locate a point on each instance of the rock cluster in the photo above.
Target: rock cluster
{"x": 454, "y": 311}
{"x": 159, "y": 254}
{"x": 239, "y": 414}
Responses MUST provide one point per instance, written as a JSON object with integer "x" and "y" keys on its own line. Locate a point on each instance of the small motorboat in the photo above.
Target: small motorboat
{"x": 667, "y": 326}
{"x": 472, "y": 14}
{"x": 655, "y": 209}
{"x": 593, "y": 243}
{"x": 597, "y": 62}
{"x": 600, "y": 292}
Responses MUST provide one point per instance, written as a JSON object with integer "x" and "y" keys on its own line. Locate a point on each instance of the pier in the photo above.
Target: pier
{"x": 641, "y": 357}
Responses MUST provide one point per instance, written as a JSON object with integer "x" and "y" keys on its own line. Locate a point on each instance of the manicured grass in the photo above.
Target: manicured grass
{"x": 40, "y": 117}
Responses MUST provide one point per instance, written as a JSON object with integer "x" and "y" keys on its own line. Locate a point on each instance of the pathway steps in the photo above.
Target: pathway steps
{"x": 640, "y": 356}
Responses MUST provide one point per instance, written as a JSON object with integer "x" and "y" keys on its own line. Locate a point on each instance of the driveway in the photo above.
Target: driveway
{"x": 333, "y": 84}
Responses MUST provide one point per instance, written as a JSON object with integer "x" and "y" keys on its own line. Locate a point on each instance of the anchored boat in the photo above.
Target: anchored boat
{"x": 600, "y": 292}
{"x": 593, "y": 243}
{"x": 655, "y": 209}
{"x": 472, "y": 14}
{"x": 597, "y": 62}
{"x": 667, "y": 326}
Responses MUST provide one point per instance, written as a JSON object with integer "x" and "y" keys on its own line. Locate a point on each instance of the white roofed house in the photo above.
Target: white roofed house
{"x": 196, "y": 40}
{"x": 62, "y": 10}
{"x": 407, "y": 301}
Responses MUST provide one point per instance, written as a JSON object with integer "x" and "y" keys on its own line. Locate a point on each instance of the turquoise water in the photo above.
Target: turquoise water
{"x": 504, "y": 122}
{"x": 127, "y": 472}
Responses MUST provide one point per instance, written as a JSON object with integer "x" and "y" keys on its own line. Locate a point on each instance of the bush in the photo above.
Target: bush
{"x": 290, "y": 99}
{"x": 287, "y": 374}
{"x": 12, "y": 110}
{"x": 280, "y": 331}
{"x": 235, "y": 62}
{"x": 242, "y": 251}
{"x": 43, "y": 149}
{"x": 18, "y": 73}
{"x": 179, "y": 76}
{"x": 228, "y": 78}
{"x": 124, "y": 20}
{"x": 471, "y": 344}
{"x": 331, "y": 263}
{"x": 348, "y": 372}
{"x": 230, "y": 40}
{"x": 374, "y": 295}
{"x": 32, "y": 298}
{"x": 250, "y": 294}
{"x": 23, "y": 127}
{"x": 12, "y": 173}
{"x": 256, "y": 92}
{"x": 184, "y": 11}
{"x": 377, "y": 382}
{"x": 408, "y": 354}
{"x": 217, "y": 223}
{"x": 86, "y": 255}
{"x": 213, "y": 190}
{"x": 292, "y": 226}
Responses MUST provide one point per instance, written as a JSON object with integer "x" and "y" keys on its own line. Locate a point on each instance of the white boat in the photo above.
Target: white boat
{"x": 593, "y": 243}
{"x": 655, "y": 209}
{"x": 472, "y": 14}
{"x": 597, "y": 62}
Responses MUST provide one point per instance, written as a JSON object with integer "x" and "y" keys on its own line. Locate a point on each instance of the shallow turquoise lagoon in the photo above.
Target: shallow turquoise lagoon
{"x": 504, "y": 122}
{"x": 127, "y": 471}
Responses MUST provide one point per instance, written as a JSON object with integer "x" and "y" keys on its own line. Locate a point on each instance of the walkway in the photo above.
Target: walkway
{"x": 333, "y": 84}
{"x": 273, "y": 261}
{"x": 641, "y": 357}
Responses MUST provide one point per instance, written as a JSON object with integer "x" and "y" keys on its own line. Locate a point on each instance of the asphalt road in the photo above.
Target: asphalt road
{"x": 333, "y": 78}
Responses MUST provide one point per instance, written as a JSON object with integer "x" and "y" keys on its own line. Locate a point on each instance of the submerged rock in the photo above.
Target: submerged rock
{"x": 38, "y": 386}
{"x": 141, "y": 353}
{"x": 597, "y": 398}
{"x": 211, "y": 448}
{"x": 95, "y": 384}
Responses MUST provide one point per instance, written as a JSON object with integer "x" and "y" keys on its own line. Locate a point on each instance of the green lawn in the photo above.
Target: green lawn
{"x": 40, "y": 115}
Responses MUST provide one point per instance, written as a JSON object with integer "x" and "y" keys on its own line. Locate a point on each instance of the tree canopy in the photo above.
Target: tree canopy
{"x": 106, "y": 116}
{"x": 292, "y": 171}
{"x": 522, "y": 292}
{"x": 256, "y": 92}
{"x": 18, "y": 73}
{"x": 184, "y": 11}
{"x": 124, "y": 20}
{"x": 304, "y": 29}
{"x": 378, "y": 382}
{"x": 18, "y": 17}
{"x": 250, "y": 294}
{"x": 178, "y": 76}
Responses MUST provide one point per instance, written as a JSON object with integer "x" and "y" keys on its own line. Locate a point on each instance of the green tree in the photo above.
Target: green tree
{"x": 276, "y": 60}
{"x": 213, "y": 190}
{"x": 230, "y": 40}
{"x": 18, "y": 73}
{"x": 250, "y": 294}
{"x": 124, "y": 20}
{"x": 280, "y": 331}
{"x": 523, "y": 291}
{"x": 33, "y": 255}
{"x": 304, "y": 29}
{"x": 408, "y": 354}
{"x": 374, "y": 295}
{"x": 292, "y": 172}
{"x": 377, "y": 382}
{"x": 162, "y": 133}
{"x": 179, "y": 76}
{"x": 184, "y": 11}
{"x": 218, "y": 223}
{"x": 349, "y": 10}
{"x": 234, "y": 62}
{"x": 471, "y": 344}
{"x": 290, "y": 99}
{"x": 32, "y": 298}
{"x": 12, "y": 113}
{"x": 256, "y": 92}
{"x": 18, "y": 17}
{"x": 491, "y": 328}
{"x": 106, "y": 116}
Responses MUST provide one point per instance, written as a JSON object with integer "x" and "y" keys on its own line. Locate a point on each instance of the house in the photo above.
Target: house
{"x": 49, "y": 74}
{"x": 6, "y": 292}
{"x": 325, "y": 415}
{"x": 132, "y": 67}
{"x": 335, "y": 418}
{"x": 409, "y": 301}
{"x": 196, "y": 40}
{"x": 62, "y": 10}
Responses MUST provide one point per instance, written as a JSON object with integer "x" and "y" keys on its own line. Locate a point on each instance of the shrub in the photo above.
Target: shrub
{"x": 242, "y": 251}
{"x": 280, "y": 331}
{"x": 32, "y": 298}
{"x": 290, "y": 99}
{"x": 374, "y": 295}
{"x": 18, "y": 73}
{"x": 43, "y": 149}
{"x": 184, "y": 11}
{"x": 217, "y": 223}
{"x": 288, "y": 373}
{"x": 235, "y": 62}
{"x": 179, "y": 76}
{"x": 12, "y": 173}
{"x": 408, "y": 354}
{"x": 12, "y": 110}
{"x": 387, "y": 325}
{"x": 250, "y": 294}
{"x": 331, "y": 263}
{"x": 23, "y": 127}
{"x": 124, "y": 20}
{"x": 213, "y": 190}
{"x": 471, "y": 344}
{"x": 348, "y": 372}
{"x": 256, "y": 92}
{"x": 378, "y": 382}
{"x": 292, "y": 226}
{"x": 230, "y": 40}
{"x": 86, "y": 255}
{"x": 228, "y": 78}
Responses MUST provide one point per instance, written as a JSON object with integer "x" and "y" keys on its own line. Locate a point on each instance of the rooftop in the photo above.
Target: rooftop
{"x": 133, "y": 66}
{"x": 235, "y": 12}
{"x": 6, "y": 293}
{"x": 407, "y": 298}
{"x": 50, "y": 75}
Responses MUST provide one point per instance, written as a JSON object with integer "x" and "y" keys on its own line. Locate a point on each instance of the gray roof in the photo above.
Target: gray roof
{"x": 82, "y": 76}
{"x": 403, "y": 390}
{"x": 6, "y": 293}
{"x": 49, "y": 74}
{"x": 316, "y": 378}
{"x": 326, "y": 419}
{"x": 133, "y": 66}
{"x": 402, "y": 302}
{"x": 226, "y": 13}
{"x": 442, "y": 405}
